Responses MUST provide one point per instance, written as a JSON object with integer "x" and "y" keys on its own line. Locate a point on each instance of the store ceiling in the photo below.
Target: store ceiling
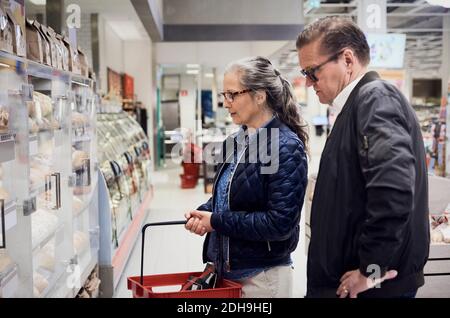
{"x": 421, "y": 22}
{"x": 231, "y": 20}
{"x": 120, "y": 15}
{"x": 246, "y": 20}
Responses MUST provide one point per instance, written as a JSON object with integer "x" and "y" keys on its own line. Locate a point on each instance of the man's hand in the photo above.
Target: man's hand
{"x": 353, "y": 283}
{"x": 199, "y": 222}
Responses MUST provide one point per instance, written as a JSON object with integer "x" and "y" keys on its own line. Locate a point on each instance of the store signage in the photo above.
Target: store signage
{"x": 74, "y": 16}
{"x": 372, "y": 16}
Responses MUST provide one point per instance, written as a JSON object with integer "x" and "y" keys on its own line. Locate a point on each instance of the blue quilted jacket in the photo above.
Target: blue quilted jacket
{"x": 265, "y": 199}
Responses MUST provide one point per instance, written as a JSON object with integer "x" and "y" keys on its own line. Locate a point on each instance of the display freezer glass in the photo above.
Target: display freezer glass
{"x": 14, "y": 237}
{"x": 125, "y": 167}
{"x": 84, "y": 162}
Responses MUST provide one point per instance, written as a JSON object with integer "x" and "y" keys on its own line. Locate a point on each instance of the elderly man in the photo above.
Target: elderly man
{"x": 369, "y": 217}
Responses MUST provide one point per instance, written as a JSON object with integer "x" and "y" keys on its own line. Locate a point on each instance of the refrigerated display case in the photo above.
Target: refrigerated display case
{"x": 437, "y": 268}
{"x": 49, "y": 242}
{"x": 85, "y": 224}
{"x": 125, "y": 191}
{"x": 15, "y": 234}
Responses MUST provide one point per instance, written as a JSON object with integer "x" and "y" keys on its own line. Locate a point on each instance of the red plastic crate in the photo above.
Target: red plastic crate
{"x": 191, "y": 169}
{"x": 188, "y": 182}
{"x": 227, "y": 289}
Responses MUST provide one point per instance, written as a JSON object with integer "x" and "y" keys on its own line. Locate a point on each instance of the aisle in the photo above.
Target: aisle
{"x": 173, "y": 249}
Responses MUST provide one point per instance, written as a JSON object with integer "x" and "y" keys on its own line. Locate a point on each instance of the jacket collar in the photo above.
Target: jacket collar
{"x": 367, "y": 78}
{"x": 243, "y": 131}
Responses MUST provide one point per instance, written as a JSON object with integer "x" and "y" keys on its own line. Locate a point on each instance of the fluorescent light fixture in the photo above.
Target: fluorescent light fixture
{"x": 39, "y": 2}
{"x": 125, "y": 30}
{"x": 192, "y": 66}
{"x": 209, "y": 75}
{"x": 4, "y": 65}
{"x": 192, "y": 72}
{"x": 442, "y": 3}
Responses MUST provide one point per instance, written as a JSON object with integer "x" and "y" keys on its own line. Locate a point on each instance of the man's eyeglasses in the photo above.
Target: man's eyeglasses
{"x": 309, "y": 72}
{"x": 230, "y": 96}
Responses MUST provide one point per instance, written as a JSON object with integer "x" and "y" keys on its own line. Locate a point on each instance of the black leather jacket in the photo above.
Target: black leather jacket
{"x": 370, "y": 205}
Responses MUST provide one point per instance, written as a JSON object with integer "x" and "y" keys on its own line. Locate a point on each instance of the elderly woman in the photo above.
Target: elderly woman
{"x": 252, "y": 219}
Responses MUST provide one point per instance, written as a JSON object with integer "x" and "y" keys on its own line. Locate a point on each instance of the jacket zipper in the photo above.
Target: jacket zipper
{"x": 232, "y": 175}
{"x": 365, "y": 143}
{"x": 227, "y": 262}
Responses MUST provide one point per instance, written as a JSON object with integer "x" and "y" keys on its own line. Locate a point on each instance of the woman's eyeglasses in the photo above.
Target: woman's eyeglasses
{"x": 309, "y": 72}
{"x": 230, "y": 96}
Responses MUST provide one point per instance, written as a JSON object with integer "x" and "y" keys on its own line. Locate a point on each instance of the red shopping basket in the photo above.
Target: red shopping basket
{"x": 142, "y": 286}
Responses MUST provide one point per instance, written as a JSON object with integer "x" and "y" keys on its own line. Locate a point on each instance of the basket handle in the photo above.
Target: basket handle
{"x": 143, "y": 241}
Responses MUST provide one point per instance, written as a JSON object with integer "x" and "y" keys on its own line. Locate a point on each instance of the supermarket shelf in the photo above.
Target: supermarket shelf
{"x": 43, "y": 71}
{"x": 51, "y": 284}
{"x": 87, "y": 271}
{"x": 50, "y": 132}
{"x": 7, "y": 276}
{"x": 84, "y": 138}
{"x": 29, "y": 156}
{"x": 37, "y": 190}
{"x": 47, "y": 239}
{"x": 10, "y": 206}
{"x": 9, "y": 270}
{"x": 81, "y": 80}
{"x": 82, "y": 211}
{"x": 122, "y": 253}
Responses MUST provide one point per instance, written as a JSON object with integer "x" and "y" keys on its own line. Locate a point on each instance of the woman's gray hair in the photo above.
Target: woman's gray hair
{"x": 258, "y": 73}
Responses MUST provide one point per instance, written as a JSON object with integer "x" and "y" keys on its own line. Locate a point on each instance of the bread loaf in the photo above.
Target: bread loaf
{"x": 33, "y": 127}
{"x": 36, "y": 293}
{"x": 46, "y": 258}
{"x": 4, "y": 119}
{"x": 5, "y": 262}
{"x": 40, "y": 283}
{"x": 43, "y": 224}
{"x": 79, "y": 119}
{"x": 45, "y": 104}
{"x": 4, "y": 195}
{"x": 31, "y": 109}
{"x": 78, "y": 159}
{"x": 436, "y": 236}
{"x": 78, "y": 204}
{"x": 80, "y": 242}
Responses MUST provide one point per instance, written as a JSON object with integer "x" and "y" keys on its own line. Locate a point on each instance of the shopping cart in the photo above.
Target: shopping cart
{"x": 142, "y": 286}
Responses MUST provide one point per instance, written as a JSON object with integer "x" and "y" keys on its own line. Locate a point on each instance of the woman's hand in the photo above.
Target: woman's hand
{"x": 199, "y": 222}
